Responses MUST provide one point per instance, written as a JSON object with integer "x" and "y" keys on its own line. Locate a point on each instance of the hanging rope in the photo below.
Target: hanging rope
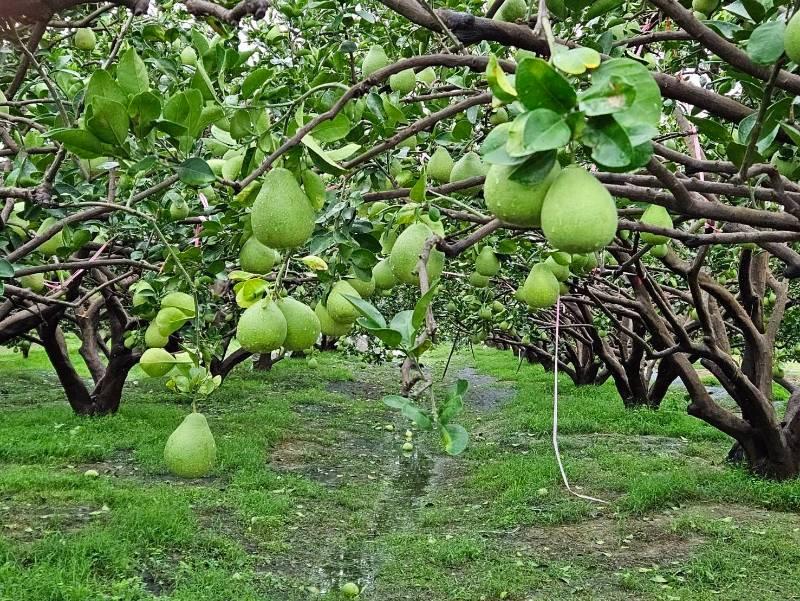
{"x": 555, "y": 414}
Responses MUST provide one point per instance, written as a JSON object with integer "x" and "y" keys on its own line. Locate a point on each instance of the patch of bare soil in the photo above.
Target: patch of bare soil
{"x": 615, "y": 543}
{"x": 628, "y": 542}
{"x": 120, "y": 465}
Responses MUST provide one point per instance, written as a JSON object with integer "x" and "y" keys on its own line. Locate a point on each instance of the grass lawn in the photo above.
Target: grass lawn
{"x": 311, "y": 490}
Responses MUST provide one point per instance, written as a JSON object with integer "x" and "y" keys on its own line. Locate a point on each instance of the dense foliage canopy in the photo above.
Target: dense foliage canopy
{"x": 188, "y": 183}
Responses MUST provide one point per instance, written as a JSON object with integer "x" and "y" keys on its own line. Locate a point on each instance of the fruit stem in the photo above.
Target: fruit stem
{"x": 281, "y": 275}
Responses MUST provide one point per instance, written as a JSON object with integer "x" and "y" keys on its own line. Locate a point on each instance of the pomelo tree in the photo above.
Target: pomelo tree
{"x": 188, "y": 183}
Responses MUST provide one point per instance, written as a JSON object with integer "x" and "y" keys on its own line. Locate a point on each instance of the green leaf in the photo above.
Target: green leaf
{"x": 642, "y": 118}
{"x": 324, "y": 161}
{"x": 765, "y": 45}
{"x": 346, "y": 151}
{"x": 109, "y": 121}
{"x": 535, "y": 131}
{"x": 711, "y": 128}
{"x": 132, "y": 73}
{"x": 417, "y": 192}
{"x": 185, "y": 109}
{"x": 82, "y": 143}
{"x": 6, "y": 269}
{"x": 418, "y": 416}
{"x": 395, "y": 401}
{"x": 455, "y": 438}
{"x": 102, "y": 85}
{"x": 612, "y": 96}
{"x": 402, "y": 323}
{"x": 241, "y": 125}
{"x": 391, "y": 338}
{"x": 541, "y": 86}
{"x": 493, "y": 148}
{"x": 333, "y": 129}
{"x": 195, "y": 171}
{"x": 601, "y": 7}
{"x": 254, "y": 81}
{"x": 609, "y": 142}
{"x": 249, "y": 292}
{"x": 792, "y": 132}
{"x": 421, "y": 307}
{"x": 450, "y": 408}
{"x": 144, "y": 109}
{"x": 499, "y": 84}
{"x": 575, "y": 61}
{"x": 202, "y": 82}
{"x": 755, "y": 9}
{"x": 374, "y": 319}
{"x": 535, "y": 168}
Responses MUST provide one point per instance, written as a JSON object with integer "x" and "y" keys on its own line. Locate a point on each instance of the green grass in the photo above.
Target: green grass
{"x": 310, "y": 491}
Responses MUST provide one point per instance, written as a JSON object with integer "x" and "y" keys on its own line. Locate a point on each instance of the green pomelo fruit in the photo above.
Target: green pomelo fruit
{"x": 85, "y": 39}
{"x": 169, "y": 320}
{"x": 180, "y": 300}
{"x": 383, "y": 276}
{"x": 427, "y": 76}
{"x": 257, "y": 258}
{"x": 51, "y": 246}
{"x": 232, "y": 167}
{"x": 562, "y": 258}
{"x": 262, "y": 327}
{"x": 403, "y": 82}
{"x": 302, "y": 325}
{"x": 578, "y": 263}
{"x": 404, "y": 257}
{"x": 516, "y": 202}
{"x": 578, "y": 213}
{"x": 487, "y": 262}
{"x": 178, "y": 210}
{"x": 560, "y": 271}
{"x": 485, "y": 313}
{"x": 156, "y": 362}
{"x": 498, "y": 307}
{"x": 540, "y": 289}
{"x": 409, "y": 142}
{"x": 655, "y": 215}
{"x": 190, "y": 451}
{"x": 440, "y": 165}
{"x": 339, "y": 308}
{"x": 189, "y": 57}
{"x": 153, "y": 338}
{"x": 791, "y": 38}
{"x": 365, "y": 289}
{"x": 328, "y": 326}
{"x": 659, "y": 251}
{"x": 33, "y": 282}
{"x": 468, "y": 166}
{"x": 478, "y": 280}
{"x": 312, "y": 363}
{"x": 216, "y": 166}
{"x": 375, "y": 59}
{"x": 282, "y": 215}
{"x": 705, "y": 6}
{"x": 350, "y": 589}
{"x": 511, "y": 11}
